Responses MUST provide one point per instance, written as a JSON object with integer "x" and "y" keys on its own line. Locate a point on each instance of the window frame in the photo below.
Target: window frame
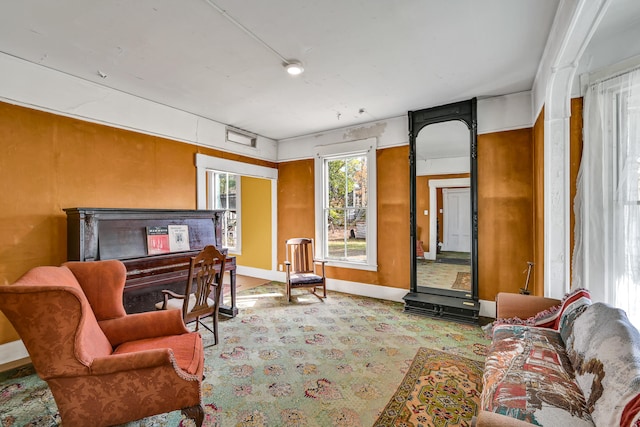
{"x": 366, "y": 147}
{"x": 237, "y": 249}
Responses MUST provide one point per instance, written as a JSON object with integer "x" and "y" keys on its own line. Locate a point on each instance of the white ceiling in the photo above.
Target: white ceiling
{"x": 365, "y": 59}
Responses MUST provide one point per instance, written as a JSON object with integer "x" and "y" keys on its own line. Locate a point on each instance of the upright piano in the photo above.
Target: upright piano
{"x": 123, "y": 234}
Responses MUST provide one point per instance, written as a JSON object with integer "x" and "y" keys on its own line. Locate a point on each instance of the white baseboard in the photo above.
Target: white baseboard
{"x": 355, "y": 288}
{"x": 487, "y": 308}
{"x": 366, "y": 290}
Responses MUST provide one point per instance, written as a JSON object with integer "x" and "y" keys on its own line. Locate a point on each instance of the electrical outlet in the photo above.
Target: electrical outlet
{"x": 280, "y": 267}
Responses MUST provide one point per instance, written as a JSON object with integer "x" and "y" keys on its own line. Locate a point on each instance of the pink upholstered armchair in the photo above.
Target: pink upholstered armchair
{"x": 104, "y": 367}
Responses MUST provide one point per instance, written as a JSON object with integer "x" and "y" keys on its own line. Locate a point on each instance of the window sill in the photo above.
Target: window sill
{"x": 351, "y": 265}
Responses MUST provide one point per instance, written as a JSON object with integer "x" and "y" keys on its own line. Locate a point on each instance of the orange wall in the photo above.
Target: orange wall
{"x": 423, "y": 203}
{"x": 393, "y": 218}
{"x": 505, "y": 209}
{"x": 296, "y": 217}
{"x": 536, "y": 283}
{"x": 51, "y": 162}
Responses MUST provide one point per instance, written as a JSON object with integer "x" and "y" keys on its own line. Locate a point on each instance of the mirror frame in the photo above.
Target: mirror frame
{"x": 466, "y": 112}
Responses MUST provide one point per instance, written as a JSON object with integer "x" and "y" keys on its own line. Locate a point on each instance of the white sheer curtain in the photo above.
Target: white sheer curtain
{"x": 606, "y": 258}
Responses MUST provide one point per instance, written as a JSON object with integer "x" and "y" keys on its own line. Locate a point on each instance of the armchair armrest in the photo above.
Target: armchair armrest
{"x": 132, "y": 361}
{"x": 287, "y": 266}
{"x": 165, "y": 297}
{"x": 522, "y": 306}
{"x": 322, "y": 262}
{"x": 139, "y": 326}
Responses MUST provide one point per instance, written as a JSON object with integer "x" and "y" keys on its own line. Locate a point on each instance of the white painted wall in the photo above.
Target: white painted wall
{"x": 503, "y": 113}
{"x": 494, "y": 115}
{"x": 602, "y": 53}
{"x": 30, "y": 85}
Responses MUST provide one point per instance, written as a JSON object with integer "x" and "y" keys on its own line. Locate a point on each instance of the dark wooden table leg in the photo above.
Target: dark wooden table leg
{"x": 231, "y": 310}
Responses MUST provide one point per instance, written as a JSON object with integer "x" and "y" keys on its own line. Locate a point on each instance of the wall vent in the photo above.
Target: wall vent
{"x": 242, "y": 137}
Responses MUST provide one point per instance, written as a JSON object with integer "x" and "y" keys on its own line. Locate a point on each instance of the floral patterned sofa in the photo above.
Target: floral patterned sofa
{"x": 573, "y": 363}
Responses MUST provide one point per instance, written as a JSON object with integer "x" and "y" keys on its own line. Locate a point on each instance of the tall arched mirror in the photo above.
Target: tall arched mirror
{"x": 444, "y": 213}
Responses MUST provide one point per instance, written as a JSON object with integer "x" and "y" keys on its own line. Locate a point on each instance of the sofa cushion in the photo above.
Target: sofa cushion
{"x": 604, "y": 349}
{"x": 305, "y": 279}
{"x": 529, "y": 377}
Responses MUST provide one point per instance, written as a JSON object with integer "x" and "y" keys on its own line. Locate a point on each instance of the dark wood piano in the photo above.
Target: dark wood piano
{"x": 104, "y": 233}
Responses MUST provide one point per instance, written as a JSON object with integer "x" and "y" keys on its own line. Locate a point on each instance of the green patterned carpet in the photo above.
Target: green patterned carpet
{"x": 308, "y": 363}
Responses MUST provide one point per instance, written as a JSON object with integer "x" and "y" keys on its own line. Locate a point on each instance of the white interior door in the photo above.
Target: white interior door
{"x": 457, "y": 219}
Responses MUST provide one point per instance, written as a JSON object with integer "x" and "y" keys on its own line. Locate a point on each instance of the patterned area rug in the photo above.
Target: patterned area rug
{"x": 463, "y": 281}
{"x": 306, "y": 363}
{"x": 439, "y": 390}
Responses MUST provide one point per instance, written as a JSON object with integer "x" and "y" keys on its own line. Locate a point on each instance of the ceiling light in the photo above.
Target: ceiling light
{"x": 294, "y": 68}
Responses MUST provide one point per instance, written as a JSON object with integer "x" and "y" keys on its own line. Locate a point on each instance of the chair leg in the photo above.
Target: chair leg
{"x": 314, "y": 291}
{"x": 214, "y": 331}
{"x": 195, "y": 413}
{"x": 215, "y": 328}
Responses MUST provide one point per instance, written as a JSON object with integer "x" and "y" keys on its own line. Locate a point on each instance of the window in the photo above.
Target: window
{"x": 607, "y": 252}
{"x": 626, "y": 202}
{"x": 225, "y": 191}
{"x": 345, "y": 208}
{"x": 345, "y": 204}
